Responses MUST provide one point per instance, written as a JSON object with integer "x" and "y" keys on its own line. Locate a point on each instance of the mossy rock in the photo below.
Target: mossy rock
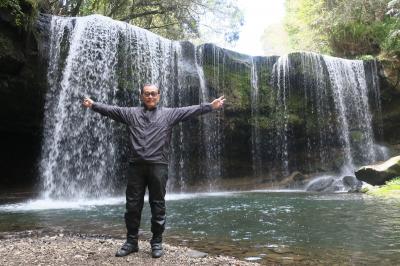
{"x": 378, "y": 174}
{"x": 11, "y": 55}
{"x": 391, "y": 189}
{"x": 19, "y": 13}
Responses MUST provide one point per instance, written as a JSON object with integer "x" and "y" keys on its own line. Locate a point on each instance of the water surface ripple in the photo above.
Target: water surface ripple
{"x": 263, "y": 226}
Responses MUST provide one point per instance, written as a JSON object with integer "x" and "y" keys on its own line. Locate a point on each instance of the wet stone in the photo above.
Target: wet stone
{"x": 196, "y": 254}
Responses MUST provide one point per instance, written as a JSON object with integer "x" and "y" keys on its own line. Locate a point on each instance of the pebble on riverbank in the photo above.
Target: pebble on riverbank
{"x": 74, "y": 250}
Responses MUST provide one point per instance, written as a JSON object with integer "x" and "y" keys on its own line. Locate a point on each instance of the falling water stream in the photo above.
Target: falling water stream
{"x": 335, "y": 108}
{"x": 281, "y": 79}
{"x": 255, "y": 132}
{"x": 109, "y": 61}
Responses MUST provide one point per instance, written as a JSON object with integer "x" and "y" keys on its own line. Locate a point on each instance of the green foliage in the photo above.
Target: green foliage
{"x": 173, "y": 19}
{"x": 394, "y": 182}
{"x": 355, "y": 38}
{"x": 263, "y": 122}
{"x": 356, "y": 136}
{"x": 15, "y": 10}
{"x": 235, "y": 82}
{"x": 302, "y": 21}
{"x": 22, "y": 12}
{"x": 365, "y": 57}
{"x": 343, "y": 27}
{"x": 391, "y": 44}
{"x": 390, "y": 189}
{"x": 275, "y": 40}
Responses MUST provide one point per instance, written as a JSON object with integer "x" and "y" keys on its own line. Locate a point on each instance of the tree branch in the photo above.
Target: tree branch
{"x": 147, "y": 13}
{"x": 76, "y": 9}
{"x": 398, "y": 79}
{"x": 161, "y": 26}
{"x": 144, "y": 14}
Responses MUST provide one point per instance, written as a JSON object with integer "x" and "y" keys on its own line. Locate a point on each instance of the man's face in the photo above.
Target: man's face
{"x": 150, "y": 96}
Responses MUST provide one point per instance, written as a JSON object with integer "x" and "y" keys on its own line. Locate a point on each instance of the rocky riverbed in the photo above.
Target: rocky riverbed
{"x": 77, "y": 250}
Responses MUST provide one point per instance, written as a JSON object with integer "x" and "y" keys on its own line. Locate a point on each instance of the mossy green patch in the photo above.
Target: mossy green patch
{"x": 236, "y": 84}
{"x": 356, "y": 136}
{"x": 390, "y": 189}
{"x": 22, "y": 13}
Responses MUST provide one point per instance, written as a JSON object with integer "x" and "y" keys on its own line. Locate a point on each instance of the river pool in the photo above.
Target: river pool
{"x": 269, "y": 227}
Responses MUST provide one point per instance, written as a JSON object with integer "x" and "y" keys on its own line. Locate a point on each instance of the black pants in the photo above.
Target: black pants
{"x": 140, "y": 176}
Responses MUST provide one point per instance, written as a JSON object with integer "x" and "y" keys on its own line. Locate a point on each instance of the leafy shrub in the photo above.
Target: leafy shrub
{"x": 23, "y": 12}
{"x": 393, "y": 182}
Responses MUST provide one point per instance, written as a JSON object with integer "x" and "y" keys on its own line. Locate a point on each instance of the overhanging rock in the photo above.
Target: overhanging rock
{"x": 378, "y": 174}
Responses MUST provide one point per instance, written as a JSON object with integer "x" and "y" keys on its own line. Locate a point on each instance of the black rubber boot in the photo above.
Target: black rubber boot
{"x": 156, "y": 247}
{"x": 127, "y": 248}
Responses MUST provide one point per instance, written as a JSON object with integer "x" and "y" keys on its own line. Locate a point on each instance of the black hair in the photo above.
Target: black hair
{"x": 149, "y": 85}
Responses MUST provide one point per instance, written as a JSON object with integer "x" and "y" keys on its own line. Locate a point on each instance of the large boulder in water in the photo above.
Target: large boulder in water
{"x": 294, "y": 180}
{"x": 335, "y": 184}
{"x": 352, "y": 184}
{"x": 378, "y": 174}
{"x": 322, "y": 184}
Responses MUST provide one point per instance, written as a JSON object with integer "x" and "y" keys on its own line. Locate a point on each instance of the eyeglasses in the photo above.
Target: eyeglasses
{"x": 152, "y": 93}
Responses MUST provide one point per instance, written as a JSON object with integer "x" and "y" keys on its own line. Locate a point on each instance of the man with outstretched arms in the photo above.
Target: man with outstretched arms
{"x": 150, "y": 128}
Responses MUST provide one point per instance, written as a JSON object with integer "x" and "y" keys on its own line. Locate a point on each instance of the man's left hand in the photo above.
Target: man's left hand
{"x": 218, "y": 103}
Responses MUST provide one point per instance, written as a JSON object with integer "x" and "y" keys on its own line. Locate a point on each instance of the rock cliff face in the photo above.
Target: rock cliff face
{"x": 281, "y": 116}
{"x": 300, "y": 112}
{"x": 22, "y": 90}
{"x": 390, "y": 101}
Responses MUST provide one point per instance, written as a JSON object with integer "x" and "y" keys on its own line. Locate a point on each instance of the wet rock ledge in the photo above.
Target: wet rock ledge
{"x": 75, "y": 250}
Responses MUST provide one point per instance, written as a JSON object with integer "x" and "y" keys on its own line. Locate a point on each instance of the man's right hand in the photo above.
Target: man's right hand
{"x": 218, "y": 103}
{"x": 87, "y": 102}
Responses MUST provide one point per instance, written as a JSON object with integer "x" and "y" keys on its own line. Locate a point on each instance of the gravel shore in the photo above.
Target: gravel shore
{"x": 76, "y": 250}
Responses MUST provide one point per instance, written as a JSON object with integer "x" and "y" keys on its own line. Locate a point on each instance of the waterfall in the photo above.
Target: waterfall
{"x": 350, "y": 91}
{"x": 323, "y": 101}
{"x": 371, "y": 67}
{"x": 210, "y": 130}
{"x": 281, "y": 79}
{"x": 319, "y": 100}
{"x": 79, "y": 152}
{"x": 299, "y": 112}
{"x": 83, "y": 154}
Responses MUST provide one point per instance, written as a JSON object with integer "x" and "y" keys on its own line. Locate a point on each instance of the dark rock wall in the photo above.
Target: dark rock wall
{"x": 22, "y": 88}
{"x": 228, "y": 73}
{"x": 390, "y": 104}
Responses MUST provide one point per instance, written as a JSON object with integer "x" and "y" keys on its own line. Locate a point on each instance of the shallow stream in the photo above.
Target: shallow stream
{"x": 265, "y": 226}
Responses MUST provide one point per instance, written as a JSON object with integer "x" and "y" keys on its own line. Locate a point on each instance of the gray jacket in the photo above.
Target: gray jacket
{"x": 150, "y": 130}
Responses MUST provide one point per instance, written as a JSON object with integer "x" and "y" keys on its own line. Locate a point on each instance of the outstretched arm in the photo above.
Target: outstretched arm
{"x": 183, "y": 113}
{"x": 119, "y": 114}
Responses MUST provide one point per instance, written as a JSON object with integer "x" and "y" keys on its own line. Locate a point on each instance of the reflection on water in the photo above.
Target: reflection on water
{"x": 48, "y": 204}
{"x": 284, "y": 228}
